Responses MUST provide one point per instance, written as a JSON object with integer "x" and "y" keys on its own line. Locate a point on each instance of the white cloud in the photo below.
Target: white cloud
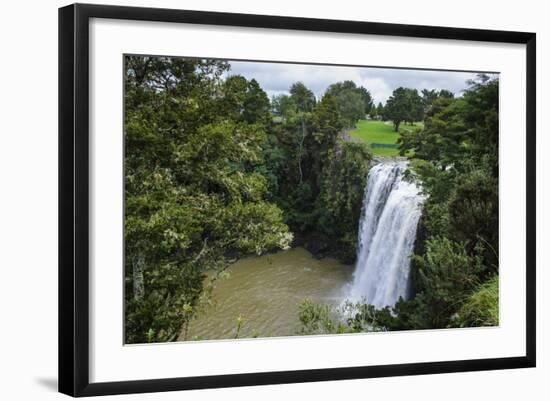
{"x": 276, "y": 78}
{"x": 378, "y": 88}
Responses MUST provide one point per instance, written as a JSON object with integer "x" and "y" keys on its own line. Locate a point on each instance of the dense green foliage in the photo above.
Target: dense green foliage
{"x": 457, "y": 164}
{"x": 321, "y": 186}
{"x": 353, "y": 102}
{"x": 481, "y": 308}
{"x": 404, "y": 105}
{"x": 210, "y": 175}
{"x": 430, "y": 96}
{"x": 455, "y": 264}
{"x": 348, "y": 318}
{"x": 194, "y": 196}
{"x": 214, "y": 170}
{"x": 340, "y": 201}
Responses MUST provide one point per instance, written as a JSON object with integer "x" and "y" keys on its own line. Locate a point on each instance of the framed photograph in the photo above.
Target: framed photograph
{"x": 250, "y": 199}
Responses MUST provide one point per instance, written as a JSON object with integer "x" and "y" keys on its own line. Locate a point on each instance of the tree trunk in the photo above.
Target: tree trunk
{"x": 137, "y": 276}
{"x": 396, "y": 125}
{"x": 185, "y": 329}
{"x": 301, "y": 149}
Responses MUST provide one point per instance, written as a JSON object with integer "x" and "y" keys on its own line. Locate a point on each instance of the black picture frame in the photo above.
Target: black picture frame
{"x": 74, "y": 198}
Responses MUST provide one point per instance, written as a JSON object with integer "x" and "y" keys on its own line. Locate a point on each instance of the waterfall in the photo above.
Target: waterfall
{"x": 387, "y": 231}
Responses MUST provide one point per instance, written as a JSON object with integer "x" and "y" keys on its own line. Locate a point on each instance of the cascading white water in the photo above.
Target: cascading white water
{"x": 387, "y": 231}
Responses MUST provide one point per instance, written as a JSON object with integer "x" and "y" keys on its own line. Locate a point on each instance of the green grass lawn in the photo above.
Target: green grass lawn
{"x": 370, "y": 131}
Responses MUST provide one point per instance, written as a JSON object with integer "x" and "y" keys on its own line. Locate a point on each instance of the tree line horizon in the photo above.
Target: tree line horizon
{"x": 405, "y": 104}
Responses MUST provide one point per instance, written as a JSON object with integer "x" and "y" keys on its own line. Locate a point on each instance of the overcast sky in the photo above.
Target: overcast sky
{"x": 276, "y": 78}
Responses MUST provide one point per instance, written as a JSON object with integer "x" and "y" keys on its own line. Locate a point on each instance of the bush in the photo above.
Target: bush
{"x": 445, "y": 276}
{"x": 481, "y": 308}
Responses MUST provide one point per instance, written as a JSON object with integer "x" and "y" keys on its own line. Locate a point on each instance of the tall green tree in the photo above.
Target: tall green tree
{"x": 416, "y": 109}
{"x": 368, "y": 101}
{"x": 353, "y": 102}
{"x": 373, "y": 113}
{"x": 322, "y": 186}
{"x": 429, "y": 96}
{"x": 283, "y": 105}
{"x": 326, "y": 125}
{"x": 404, "y": 105}
{"x": 194, "y": 198}
{"x": 380, "y": 111}
{"x": 303, "y": 97}
{"x": 341, "y": 198}
{"x": 244, "y": 100}
{"x": 397, "y": 107}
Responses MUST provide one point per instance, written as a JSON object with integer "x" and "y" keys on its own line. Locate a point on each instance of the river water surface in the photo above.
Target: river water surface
{"x": 266, "y": 291}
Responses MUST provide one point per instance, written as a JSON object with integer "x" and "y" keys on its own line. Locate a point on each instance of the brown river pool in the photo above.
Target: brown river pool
{"x": 266, "y": 291}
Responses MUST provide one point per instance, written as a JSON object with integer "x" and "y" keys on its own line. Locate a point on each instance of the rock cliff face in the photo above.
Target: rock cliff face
{"x": 320, "y": 246}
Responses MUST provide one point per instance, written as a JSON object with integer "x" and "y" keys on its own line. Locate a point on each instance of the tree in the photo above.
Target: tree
{"x": 367, "y": 99}
{"x": 428, "y": 144}
{"x": 397, "y": 107}
{"x": 283, "y": 105}
{"x": 381, "y": 111}
{"x": 353, "y": 102}
{"x": 307, "y": 138}
{"x": 416, "y": 110}
{"x": 459, "y": 131}
{"x": 373, "y": 113}
{"x": 442, "y": 276}
{"x": 429, "y": 96}
{"x": 456, "y": 259}
{"x": 473, "y": 214}
{"x": 321, "y": 184}
{"x": 446, "y": 93}
{"x": 275, "y": 165}
{"x": 256, "y": 105}
{"x": 244, "y": 100}
{"x": 326, "y": 124}
{"x": 341, "y": 198}
{"x": 303, "y": 98}
{"x": 194, "y": 198}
